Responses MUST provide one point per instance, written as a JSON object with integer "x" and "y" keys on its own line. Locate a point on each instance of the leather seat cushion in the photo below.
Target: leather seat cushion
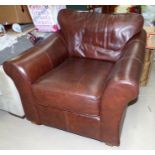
{"x": 75, "y": 85}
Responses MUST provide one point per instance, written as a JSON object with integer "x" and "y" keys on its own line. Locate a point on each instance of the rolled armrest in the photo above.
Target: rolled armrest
{"x": 29, "y": 66}
{"x": 38, "y": 60}
{"x": 122, "y": 87}
{"x": 123, "y": 83}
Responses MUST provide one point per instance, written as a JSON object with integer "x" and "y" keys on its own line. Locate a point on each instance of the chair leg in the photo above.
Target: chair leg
{"x": 109, "y": 144}
{"x": 35, "y": 123}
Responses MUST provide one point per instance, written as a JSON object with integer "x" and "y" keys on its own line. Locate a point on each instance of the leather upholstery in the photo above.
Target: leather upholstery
{"x": 73, "y": 87}
{"x": 29, "y": 66}
{"x": 100, "y": 36}
{"x": 82, "y": 78}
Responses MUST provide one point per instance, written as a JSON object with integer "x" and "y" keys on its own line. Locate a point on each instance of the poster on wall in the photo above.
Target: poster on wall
{"x": 45, "y": 17}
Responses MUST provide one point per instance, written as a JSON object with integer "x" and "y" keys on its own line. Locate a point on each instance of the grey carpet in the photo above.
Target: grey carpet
{"x": 22, "y": 44}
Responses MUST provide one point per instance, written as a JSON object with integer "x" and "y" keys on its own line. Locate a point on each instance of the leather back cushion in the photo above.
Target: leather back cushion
{"x": 99, "y": 36}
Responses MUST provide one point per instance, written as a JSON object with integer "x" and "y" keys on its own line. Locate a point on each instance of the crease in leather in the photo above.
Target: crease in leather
{"x": 81, "y": 34}
{"x": 97, "y": 117}
{"x": 50, "y": 60}
{"x": 89, "y": 97}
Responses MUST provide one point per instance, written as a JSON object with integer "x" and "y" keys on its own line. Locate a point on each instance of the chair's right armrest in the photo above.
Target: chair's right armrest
{"x": 37, "y": 60}
{"x": 31, "y": 65}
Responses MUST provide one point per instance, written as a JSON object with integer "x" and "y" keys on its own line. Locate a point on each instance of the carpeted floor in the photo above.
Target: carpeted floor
{"x": 16, "y": 44}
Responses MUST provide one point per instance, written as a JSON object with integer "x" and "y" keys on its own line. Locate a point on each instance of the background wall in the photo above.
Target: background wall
{"x": 77, "y": 7}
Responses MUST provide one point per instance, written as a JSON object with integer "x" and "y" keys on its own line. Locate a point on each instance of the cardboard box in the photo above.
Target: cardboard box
{"x": 149, "y": 29}
{"x": 148, "y": 60}
{"x": 10, "y": 14}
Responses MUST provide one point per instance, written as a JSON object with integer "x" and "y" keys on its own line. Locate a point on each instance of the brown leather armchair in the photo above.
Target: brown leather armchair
{"x": 82, "y": 78}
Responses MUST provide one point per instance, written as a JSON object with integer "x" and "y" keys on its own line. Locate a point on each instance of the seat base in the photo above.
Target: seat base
{"x": 76, "y": 85}
{"x": 80, "y": 124}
